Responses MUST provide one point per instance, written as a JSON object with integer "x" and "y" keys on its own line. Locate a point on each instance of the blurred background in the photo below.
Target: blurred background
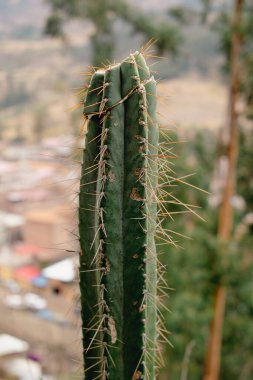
{"x": 201, "y": 52}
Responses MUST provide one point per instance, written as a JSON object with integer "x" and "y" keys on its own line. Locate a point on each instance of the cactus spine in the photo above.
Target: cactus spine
{"x": 117, "y": 223}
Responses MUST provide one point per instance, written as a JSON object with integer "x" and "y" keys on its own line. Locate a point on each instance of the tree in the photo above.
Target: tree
{"x": 225, "y": 28}
{"x": 206, "y": 7}
{"x": 225, "y": 223}
{"x": 195, "y": 271}
{"x": 102, "y": 13}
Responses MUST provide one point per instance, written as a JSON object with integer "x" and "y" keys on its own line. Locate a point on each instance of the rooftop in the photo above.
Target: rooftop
{"x": 63, "y": 270}
{"x": 11, "y": 345}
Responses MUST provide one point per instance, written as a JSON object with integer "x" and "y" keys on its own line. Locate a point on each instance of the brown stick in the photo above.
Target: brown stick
{"x": 225, "y": 224}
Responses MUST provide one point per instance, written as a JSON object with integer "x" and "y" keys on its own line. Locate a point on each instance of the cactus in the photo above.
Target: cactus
{"x": 117, "y": 224}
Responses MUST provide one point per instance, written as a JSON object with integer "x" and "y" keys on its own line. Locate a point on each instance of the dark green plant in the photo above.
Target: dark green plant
{"x": 117, "y": 223}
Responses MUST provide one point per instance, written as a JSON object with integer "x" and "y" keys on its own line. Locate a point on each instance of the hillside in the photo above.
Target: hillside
{"x": 40, "y": 76}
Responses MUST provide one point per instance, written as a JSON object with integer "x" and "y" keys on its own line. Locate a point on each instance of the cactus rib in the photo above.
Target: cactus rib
{"x": 117, "y": 213}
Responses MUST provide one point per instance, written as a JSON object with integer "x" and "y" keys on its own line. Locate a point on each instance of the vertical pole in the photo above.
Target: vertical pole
{"x": 225, "y": 223}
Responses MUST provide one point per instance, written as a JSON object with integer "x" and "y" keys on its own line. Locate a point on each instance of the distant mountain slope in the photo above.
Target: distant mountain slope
{"x": 38, "y": 75}
{"x": 20, "y": 16}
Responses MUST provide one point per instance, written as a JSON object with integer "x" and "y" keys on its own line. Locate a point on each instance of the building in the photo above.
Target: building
{"x": 49, "y": 229}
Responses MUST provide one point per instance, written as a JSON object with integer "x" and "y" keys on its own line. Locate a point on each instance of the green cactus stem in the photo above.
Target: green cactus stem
{"x": 117, "y": 223}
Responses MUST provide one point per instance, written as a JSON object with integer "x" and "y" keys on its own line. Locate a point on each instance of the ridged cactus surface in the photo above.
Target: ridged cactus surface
{"x": 117, "y": 222}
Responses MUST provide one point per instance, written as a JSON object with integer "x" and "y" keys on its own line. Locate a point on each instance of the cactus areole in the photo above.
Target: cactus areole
{"x": 117, "y": 222}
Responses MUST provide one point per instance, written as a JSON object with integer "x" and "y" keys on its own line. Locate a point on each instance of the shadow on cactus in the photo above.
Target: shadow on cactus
{"x": 122, "y": 205}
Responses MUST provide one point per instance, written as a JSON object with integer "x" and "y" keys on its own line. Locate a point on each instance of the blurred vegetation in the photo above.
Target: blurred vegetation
{"x": 223, "y": 25}
{"x": 102, "y": 14}
{"x": 195, "y": 270}
{"x": 16, "y": 94}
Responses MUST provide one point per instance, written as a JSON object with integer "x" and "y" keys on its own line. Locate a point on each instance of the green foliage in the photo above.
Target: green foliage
{"x": 224, "y": 26}
{"x": 117, "y": 222}
{"x": 71, "y": 8}
{"x": 195, "y": 270}
{"x": 206, "y": 7}
{"x": 183, "y": 14}
{"x": 103, "y": 48}
{"x": 102, "y": 14}
{"x": 168, "y": 37}
{"x": 245, "y": 164}
{"x": 53, "y": 26}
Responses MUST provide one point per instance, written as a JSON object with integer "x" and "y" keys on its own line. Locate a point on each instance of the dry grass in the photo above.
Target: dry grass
{"x": 193, "y": 101}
